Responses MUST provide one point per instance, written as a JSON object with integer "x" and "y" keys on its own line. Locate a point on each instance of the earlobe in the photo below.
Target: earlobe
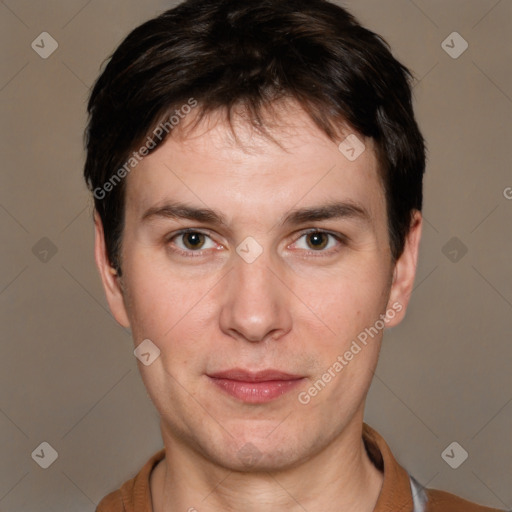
{"x": 109, "y": 277}
{"x": 405, "y": 270}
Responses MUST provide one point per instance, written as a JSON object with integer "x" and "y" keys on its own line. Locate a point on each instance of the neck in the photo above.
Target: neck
{"x": 341, "y": 477}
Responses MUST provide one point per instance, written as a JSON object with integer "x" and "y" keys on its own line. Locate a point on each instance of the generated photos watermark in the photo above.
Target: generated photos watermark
{"x": 355, "y": 348}
{"x": 152, "y": 140}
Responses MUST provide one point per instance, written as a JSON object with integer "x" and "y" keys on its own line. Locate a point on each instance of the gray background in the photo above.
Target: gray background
{"x": 67, "y": 371}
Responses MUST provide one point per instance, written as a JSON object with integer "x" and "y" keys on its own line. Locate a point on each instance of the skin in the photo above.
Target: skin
{"x": 296, "y": 308}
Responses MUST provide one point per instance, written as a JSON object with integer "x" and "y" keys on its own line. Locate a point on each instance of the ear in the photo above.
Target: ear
{"x": 111, "y": 281}
{"x": 405, "y": 272}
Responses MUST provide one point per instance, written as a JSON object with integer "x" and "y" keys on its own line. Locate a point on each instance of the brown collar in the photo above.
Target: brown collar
{"x": 395, "y": 494}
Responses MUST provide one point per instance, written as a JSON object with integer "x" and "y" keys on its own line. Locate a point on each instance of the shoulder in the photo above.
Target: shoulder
{"x": 135, "y": 494}
{"x": 113, "y": 502}
{"x": 440, "y": 501}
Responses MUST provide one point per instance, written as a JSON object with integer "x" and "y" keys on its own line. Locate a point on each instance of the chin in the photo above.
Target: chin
{"x": 249, "y": 459}
{"x": 259, "y": 454}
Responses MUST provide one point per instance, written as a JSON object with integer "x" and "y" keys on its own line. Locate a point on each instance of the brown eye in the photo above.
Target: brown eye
{"x": 321, "y": 242}
{"x": 191, "y": 243}
{"x": 193, "y": 240}
{"x": 317, "y": 241}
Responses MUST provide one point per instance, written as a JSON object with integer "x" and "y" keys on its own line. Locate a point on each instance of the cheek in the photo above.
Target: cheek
{"x": 153, "y": 306}
{"x": 171, "y": 310}
{"x": 348, "y": 299}
{"x": 349, "y": 303}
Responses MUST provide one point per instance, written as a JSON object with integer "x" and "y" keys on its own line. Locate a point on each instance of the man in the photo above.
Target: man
{"x": 257, "y": 174}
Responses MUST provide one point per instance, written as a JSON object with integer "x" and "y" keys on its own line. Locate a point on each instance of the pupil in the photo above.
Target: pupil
{"x": 193, "y": 240}
{"x": 317, "y": 240}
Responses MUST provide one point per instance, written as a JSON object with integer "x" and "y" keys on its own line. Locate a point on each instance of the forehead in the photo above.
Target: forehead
{"x": 235, "y": 166}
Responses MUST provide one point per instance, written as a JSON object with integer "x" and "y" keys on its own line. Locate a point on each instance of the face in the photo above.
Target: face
{"x": 258, "y": 270}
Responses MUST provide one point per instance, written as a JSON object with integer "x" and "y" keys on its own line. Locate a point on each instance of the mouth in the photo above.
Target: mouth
{"x": 255, "y": 387}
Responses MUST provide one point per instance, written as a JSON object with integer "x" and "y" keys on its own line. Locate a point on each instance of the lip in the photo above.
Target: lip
{"x": 255, "y": 387}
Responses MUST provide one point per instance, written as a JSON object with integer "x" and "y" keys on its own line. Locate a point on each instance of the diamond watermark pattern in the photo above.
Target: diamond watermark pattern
{"x": 454, "y": 455}
{"x": 454, "y": 45}
{"x": 147, "y": 352}
{"x": 44, "y": 45}
{"x": 44, "y": 250}
{"x": 249, "y": 250}
{"x": 45, "y": 455}
{"x": 249, "y": 455}
{"x": 454, "y": 250}
{"x": 351, "y": 147}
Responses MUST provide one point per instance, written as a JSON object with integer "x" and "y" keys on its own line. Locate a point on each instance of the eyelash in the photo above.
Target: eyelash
{"x": 342, "y": 241}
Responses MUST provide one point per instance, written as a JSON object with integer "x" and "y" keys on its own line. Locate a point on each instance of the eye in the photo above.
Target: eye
{"x": 318, "y": 241}
{"x": 191, "y": 241}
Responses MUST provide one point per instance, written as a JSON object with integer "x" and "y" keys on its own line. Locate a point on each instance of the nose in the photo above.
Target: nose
{"x": 256, "y": 303}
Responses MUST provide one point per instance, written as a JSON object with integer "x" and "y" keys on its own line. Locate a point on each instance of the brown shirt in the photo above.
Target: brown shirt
{"x": 399, "y": 492}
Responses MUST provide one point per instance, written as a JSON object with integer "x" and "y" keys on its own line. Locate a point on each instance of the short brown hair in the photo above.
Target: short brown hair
{"x": 226, "y": 53}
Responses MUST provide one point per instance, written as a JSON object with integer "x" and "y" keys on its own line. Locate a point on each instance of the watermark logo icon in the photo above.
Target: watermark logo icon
{"x": 44, "y": 45}
{"x": 454, "y": 45}
{"x": 147, "y": 352}
{"x": 355, "y": 348}
{"x": 44, "y": 250}
{"x": 249, "y": 455}
{"x": 454, "y": 250}
{"x": 249, "y": 250}
{"x": 351, "y": 147}
{"x": 151, "y": 142}
{"x": 454, "y": 455}
{"x": 45, "y": 455}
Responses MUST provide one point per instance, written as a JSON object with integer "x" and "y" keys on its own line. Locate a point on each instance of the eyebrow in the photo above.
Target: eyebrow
{"x": 183, "y": 211}
{"x": 331, "y": 210}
